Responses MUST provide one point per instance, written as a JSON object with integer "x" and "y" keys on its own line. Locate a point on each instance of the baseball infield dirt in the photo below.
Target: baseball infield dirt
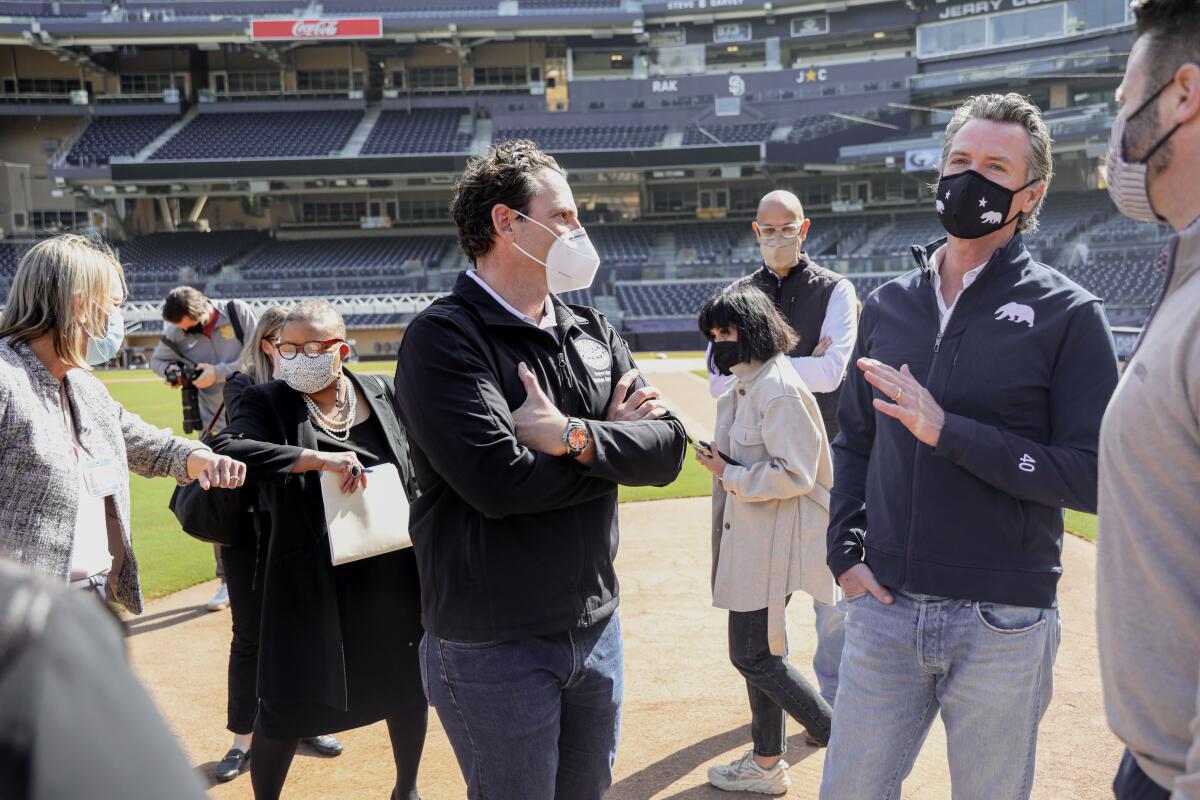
{"x": 685, "y": 706}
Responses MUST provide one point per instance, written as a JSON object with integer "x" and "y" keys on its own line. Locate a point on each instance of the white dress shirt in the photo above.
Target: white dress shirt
{"x": 944, "y": 311}
{"x": 820, "y": 373}
{"x": 549, "y": 321}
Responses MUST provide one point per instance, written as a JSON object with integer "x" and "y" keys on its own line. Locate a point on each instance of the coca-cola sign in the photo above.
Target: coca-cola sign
{"x": 327, "y": 28}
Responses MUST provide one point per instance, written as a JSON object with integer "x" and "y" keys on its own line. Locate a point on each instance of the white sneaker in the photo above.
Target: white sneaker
{"x": 220, "y": 599}
{"x": 744, "y": 775}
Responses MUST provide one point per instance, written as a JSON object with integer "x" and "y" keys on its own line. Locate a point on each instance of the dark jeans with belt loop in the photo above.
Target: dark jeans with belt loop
{"x": 776, "y": 689}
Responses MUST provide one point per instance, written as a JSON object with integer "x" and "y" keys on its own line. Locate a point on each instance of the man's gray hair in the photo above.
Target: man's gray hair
{"x": 318, "y": 313}
{"x": 1012, "y": 109}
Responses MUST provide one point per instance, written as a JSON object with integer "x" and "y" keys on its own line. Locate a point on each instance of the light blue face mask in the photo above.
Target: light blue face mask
{"x": 101, "y": 351}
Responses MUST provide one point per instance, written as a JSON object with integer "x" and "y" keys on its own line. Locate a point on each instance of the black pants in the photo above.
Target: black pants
{"x": 774, "y": 686}
{"x": 1133, "y": 784}
{"x": 270, "y": 759}
{"x": 244, "y": 571}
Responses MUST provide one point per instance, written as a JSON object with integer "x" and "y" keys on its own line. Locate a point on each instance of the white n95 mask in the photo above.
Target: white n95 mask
{"x": 572, "y": 261}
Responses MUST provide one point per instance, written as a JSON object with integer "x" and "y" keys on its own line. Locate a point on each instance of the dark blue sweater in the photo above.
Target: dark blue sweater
{"x": 1023, "y": 372}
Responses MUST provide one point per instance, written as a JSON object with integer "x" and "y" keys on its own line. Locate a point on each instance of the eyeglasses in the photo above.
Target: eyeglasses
{"x": 791, "y": 230}
{"x": 312, "y": 349}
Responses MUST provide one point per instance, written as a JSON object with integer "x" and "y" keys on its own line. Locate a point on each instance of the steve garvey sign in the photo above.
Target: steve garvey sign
{"x": 303, "y": 29}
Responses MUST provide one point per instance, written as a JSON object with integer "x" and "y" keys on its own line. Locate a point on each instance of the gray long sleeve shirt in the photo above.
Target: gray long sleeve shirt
{"x": 222, "y": 349}
{"x": 1148, "y": 572}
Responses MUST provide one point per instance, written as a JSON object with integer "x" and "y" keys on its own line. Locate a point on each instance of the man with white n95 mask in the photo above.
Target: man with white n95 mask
{"x": 525, "y": 413}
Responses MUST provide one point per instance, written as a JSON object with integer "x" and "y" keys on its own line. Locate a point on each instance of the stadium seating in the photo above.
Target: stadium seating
{"x": 623, "y": 244}
{"x": 661, "y": 299}
{"x": 342, "y": 258}
{"x": 261, "y": 134}
{"x": 909, "y": 229}
{"x": 727, "y": 133}
{"x": 1122, "y": 230}
{"x": 1122, "y": 276}
{"x": 161, "y": 256}
{"x": 1066, "y": 214}
{"x": 606, "y": 137}
{"x": 106, "y": 137}
{"x": 706, "y": 243}
{"x": 432, "y": 130}
{"x": 10, "y": 256}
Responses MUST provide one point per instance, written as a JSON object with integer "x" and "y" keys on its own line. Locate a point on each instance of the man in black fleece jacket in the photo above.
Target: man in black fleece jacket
{"x": 525, "y": 414}
{"x": 971, "y": 421}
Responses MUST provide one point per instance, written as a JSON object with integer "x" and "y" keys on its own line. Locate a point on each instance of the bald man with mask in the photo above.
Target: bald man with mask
{"x": 821, "y": 307}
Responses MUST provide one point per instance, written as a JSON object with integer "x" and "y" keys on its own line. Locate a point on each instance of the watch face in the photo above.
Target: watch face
{"x": 577, "y": 438}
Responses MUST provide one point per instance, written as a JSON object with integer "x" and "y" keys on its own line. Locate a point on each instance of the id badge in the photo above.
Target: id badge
{"x": 101, "y": 477}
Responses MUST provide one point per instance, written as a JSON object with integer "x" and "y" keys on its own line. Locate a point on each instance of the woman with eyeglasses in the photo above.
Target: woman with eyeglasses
{"x": 244, "y": 563}
{"x": 66, "y": 446}
{"x": 338, "y": 645}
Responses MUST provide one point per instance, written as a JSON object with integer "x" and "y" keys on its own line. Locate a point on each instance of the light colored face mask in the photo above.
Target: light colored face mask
{"x": 572, "y": 261}
{"x": 780, "y": 252}
{"x": 105, "y": 349}
{"x": 308, "y": 375}
{"x": 1125, "y": 180}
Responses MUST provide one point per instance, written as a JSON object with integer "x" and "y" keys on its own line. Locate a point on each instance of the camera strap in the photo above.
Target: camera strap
{"x": 178, "y": 350}
{"x": 217, "y": 416}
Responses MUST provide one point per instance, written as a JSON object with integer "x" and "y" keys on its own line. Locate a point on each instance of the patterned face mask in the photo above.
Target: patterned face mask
{"x": 970, "y": 206}
{"x": 307, "y": 374}
{"x": 1126, "y": 180}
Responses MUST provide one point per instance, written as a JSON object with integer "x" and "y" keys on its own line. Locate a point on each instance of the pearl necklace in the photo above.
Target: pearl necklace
{"x": 338, "y": 431}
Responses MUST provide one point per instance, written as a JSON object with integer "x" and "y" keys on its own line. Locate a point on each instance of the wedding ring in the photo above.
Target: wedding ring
{"x": 899, "y": 394}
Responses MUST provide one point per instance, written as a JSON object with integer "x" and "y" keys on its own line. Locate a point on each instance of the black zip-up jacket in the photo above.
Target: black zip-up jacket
{"x": 512, "y": 543}
{"x": 1023, "y": 372}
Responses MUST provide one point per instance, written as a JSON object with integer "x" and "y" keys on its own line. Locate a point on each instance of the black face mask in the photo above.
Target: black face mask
{"x": 725, "y": 355}
{"x": 197, "y": 328}
{"x": 969, "y": 206}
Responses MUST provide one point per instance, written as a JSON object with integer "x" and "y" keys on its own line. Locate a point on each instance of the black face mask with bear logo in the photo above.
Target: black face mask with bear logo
{"x": 970, "y": 206}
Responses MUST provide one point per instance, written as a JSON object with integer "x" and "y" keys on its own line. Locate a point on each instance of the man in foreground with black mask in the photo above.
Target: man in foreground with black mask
{"x": 1148, "y": 561}
{"x": 970, "y": 420}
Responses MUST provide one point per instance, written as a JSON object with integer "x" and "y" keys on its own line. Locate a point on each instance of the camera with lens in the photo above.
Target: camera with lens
{"x": 184, "y": 376}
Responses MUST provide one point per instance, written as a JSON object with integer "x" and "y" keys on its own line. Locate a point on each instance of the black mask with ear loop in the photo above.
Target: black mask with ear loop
{"x": 970, "y": 206}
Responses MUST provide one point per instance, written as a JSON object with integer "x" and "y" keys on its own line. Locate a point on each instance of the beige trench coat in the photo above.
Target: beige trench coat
{"x": 770, "y": 515}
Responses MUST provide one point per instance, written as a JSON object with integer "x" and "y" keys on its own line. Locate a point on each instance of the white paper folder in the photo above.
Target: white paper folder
{"x": 370, "y": 522}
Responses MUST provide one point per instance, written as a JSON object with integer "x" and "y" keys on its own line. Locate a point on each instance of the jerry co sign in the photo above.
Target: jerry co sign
{"x": 317, "y": 29}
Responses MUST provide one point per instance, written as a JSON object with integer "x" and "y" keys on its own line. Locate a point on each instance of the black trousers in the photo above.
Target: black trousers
{"x": 1133, "y": 784}
{"x": 244, "y": 571}
{"x": 776, "y": 689}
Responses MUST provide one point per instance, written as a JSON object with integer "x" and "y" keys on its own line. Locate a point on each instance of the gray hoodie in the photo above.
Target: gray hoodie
{"x": 223, "y": 349}
{"x": 1148, "y": 582}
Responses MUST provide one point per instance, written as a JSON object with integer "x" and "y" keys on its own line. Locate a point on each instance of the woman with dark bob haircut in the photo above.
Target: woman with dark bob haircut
{"x": 770, "y": 514}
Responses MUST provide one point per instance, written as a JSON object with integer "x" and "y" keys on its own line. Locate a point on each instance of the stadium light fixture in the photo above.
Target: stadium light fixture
{"x": 733, "y": 48}
{"x": 880, "y": 35}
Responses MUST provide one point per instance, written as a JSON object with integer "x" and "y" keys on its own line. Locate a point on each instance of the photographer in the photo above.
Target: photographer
{"x": 201, "y": 348}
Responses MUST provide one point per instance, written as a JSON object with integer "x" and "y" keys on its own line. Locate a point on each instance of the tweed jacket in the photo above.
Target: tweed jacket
{"x": 40, "y": 495}
{"x": 770, "y": 515}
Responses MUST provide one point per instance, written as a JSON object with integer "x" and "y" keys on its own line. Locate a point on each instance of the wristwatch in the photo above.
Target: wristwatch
{"x": 576, "y": 437}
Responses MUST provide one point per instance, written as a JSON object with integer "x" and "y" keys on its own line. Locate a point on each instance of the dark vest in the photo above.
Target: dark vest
{"x": 803, "y": 297}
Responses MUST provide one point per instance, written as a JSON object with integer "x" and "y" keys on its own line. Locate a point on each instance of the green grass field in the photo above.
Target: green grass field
{"x": 170, "y": 560}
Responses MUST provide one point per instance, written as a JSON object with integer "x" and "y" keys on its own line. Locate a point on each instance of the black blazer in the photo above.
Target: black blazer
{"x": 300, "y": 649}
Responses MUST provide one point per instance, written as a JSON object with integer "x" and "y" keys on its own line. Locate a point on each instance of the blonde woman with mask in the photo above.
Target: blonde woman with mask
{"x": 66, "y": 446}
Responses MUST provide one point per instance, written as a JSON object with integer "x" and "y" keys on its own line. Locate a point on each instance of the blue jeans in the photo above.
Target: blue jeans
{"x": 1133, "y": 784}
{"x": 532, "y": 719}
{"x": 987, "y": 667}
{"x": 831, "y": 638}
